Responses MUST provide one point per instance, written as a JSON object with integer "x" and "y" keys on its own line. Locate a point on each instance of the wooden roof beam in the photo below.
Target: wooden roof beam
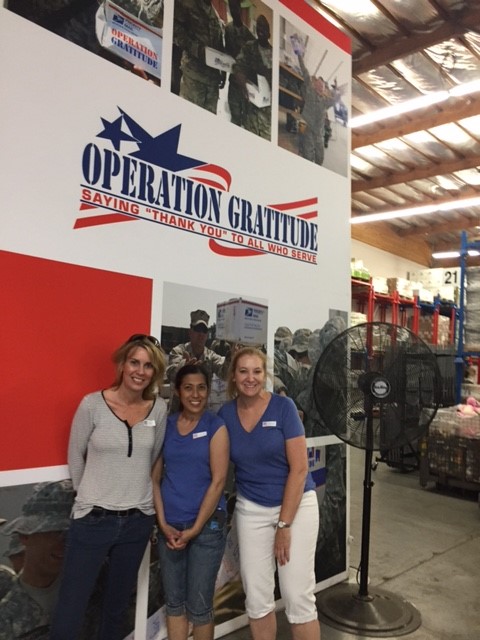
{"x": 446, "y": 227}
{"x": 468, "y": 193}
{"x": 452, "y": 111}
{"x": 419, "y": 173}
{"x": 461, "y": 22}
{"x": 381, "y": 236}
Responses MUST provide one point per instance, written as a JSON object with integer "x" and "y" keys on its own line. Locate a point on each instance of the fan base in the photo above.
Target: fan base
{"x": 380, "y": 614}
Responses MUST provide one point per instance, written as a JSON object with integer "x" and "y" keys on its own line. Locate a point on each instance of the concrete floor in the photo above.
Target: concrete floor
{"x": 424, "y": 548}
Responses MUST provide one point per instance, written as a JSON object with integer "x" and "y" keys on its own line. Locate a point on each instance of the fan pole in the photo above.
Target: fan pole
{"x": 367, "y": 498}
{"x": 367, "y": 505}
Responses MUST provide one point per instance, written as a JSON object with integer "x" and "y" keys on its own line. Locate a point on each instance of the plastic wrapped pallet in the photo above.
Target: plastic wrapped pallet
{"x": 454, "y": 446}
{"x": 357, "y": 318}
{"x": 472, "y": 309}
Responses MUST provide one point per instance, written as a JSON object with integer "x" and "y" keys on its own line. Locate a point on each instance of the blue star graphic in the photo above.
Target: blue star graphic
{"x": 161, "y": 150}
{"x": 113, "y": 131}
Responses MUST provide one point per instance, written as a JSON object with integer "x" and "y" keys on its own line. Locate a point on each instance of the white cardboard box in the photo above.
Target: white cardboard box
{"x": 218, "y": 60}
{"x": 242, "y": 321}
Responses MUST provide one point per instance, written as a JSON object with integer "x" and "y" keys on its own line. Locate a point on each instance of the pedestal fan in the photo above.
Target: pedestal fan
{"x": 376, "y": 386}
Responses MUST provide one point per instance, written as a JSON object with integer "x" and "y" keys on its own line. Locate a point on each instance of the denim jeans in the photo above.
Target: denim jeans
{"x": 91, "y": 540}
{"x": 189, "y": 575}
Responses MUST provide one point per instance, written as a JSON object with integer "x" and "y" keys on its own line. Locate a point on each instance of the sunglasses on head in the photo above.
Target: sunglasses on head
{"x": 143, "y": 336}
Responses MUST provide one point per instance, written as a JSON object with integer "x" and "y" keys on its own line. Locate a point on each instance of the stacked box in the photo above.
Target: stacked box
{"x": 440, "y": 282}
{"x": 454, "y": 457}
{"x": 380, "y": 284}
{"x": 400, "y": 285}
{"x": 472, "y": 461}
{"x": 358, "y": 270}
{"x": 425, "y": 329}
{"x": 423, "y": 294}
{"x": 454, "y": 445}
{"x": 448, "y": 293}
{"x": 357, "y": 318}
{"x": 472, "y": 310}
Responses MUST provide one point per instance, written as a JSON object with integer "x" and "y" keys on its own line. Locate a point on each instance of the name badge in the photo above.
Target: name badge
{"x": 149, "y": 423}
{"x": 269, "y": 423}
{"x": 200, "y": 434}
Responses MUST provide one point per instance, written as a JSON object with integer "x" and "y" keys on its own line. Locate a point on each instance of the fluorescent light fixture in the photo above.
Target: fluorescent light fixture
{"x": 445, "y": 254}
{"x": 416, "y": 211}
{"x": 390, "y": 215}
{"x": 466, "y": 88}
{"x": 397, "y": 109}
{"x": 417, "y": 103}
{"x": 453, "y": 254}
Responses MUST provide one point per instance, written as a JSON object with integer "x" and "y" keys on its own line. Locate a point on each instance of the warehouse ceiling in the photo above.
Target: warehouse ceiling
{"x": 404, "y": 49}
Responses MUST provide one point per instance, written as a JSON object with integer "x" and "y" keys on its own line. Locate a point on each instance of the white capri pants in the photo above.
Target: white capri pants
{"x": 256, "y": 528}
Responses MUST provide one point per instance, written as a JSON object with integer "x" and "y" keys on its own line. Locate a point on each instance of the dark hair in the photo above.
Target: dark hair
{"x": 157, "y": 358}
{"x": 191, "y": 369}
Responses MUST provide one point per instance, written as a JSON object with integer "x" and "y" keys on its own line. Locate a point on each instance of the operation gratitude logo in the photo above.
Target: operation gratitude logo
{"x": 154, "y": 182}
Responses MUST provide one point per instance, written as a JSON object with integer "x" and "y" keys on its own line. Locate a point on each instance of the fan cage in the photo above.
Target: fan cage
{"x": 377, "y": 386}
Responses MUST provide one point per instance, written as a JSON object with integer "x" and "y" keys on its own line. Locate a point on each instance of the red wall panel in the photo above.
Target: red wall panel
{"x": 60, "y": 324}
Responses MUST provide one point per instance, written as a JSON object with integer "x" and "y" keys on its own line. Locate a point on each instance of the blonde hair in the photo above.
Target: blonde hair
{"x": 244, "y": 351}
{"x": 157, "y": 358}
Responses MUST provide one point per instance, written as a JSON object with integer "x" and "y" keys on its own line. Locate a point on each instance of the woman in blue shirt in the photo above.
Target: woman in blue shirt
{"x": 276, "y": 511}
{"x": 188, "y": 482}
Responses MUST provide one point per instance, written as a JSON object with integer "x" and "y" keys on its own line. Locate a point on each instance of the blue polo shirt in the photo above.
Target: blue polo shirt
{"x": 187, "y": 474}
{"x": 261, "y": 466}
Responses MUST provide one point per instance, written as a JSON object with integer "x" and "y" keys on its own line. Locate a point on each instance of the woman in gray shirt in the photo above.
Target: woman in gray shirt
{"x": 116, "y": 436}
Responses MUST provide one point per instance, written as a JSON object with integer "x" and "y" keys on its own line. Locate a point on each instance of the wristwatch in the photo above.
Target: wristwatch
{"x": 282, "y": 525}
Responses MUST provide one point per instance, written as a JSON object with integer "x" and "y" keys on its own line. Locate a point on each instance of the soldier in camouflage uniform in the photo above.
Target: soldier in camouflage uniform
{"x": 25, "y": 611}
{"x": 299, "y": 348}
{"x": 330, "y": 556}
{"x": 196, "y": 26}
{"x": 15, "y": 553}
{"x": 254, "y": 59}
{"x": 195, "y": 352}
{"x": 317, "y": 100}
{"x": 236, "y": 35}
{"x": 7, "y": 574}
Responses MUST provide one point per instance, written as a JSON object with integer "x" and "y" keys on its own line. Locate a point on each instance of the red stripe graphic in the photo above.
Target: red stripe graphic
{"x": 105, "y": 218}
{"x": 299, "y": 204}
{"x": 232, "y": 252}
{"x": 218, "y": 172}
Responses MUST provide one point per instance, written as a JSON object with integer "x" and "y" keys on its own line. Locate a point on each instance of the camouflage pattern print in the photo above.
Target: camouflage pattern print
{"x": 314, "y": 113}
{"x": 252, "y": 60}
{"x": 196, "y": 26}
{"x": 235, "y": 38}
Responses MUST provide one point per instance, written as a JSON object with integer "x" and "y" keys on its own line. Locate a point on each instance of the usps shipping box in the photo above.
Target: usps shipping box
{"x": 242, "y": 321}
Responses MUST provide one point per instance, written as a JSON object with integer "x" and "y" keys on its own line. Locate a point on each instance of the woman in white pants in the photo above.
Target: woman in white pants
{"x": 276, "y": 510}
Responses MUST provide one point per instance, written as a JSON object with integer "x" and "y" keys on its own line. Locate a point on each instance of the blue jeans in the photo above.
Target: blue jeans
{"x": 91, "y": 540}
{"x": 189, "y": 575}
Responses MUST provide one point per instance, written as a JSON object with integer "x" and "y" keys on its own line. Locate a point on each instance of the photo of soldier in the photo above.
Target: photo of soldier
{"x": 15, "y": 553}
{"x": 330, "y": 556}
{"x": 310, "y": 100}
{"x": 284, "y": 365}
{"x": 254, "y": 60}
{"x": 317, "y": 99}
{"x": 291, "y": 362}
{"x": 197, "y": 26}
{"x": 237, "y": 35}
{"x": 7, "y": 573}
{"x": 295, "y": 357}
{"x": 26, "y": 608}
{"x": 196, "y": 351}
